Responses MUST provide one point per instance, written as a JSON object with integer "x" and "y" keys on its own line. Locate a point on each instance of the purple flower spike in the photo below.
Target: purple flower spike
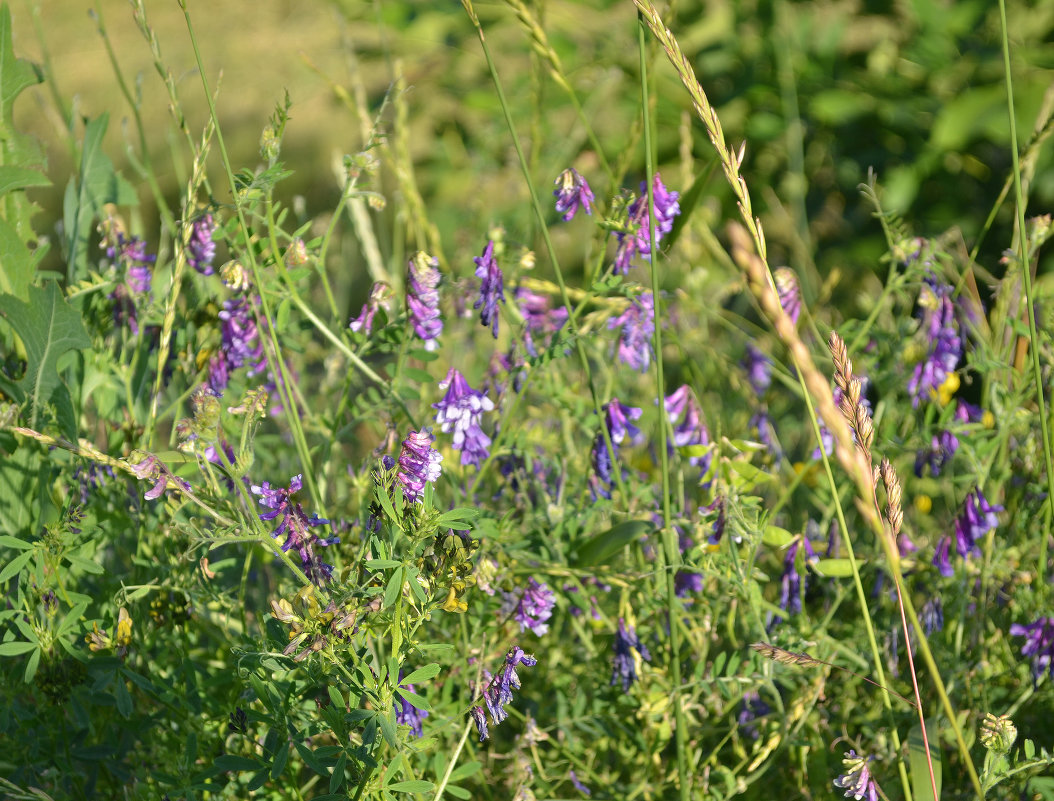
{"x": 419, "y": 463}
{"x": 857, "y": 781}
{"x": 492, "y": 288}
{"x": 498, "y": 691}
{"x": 422, "y": 298}
{"x": 533, "y": 608}
{"x": 131, "y": 256}
{"x": 539, "y": 316}
{"x": 978, "y": 517}
{"x": 201, "y": 250}
{"x": 691, "y": 430}
{"x": 460, "y": 411}
{"x": 624, "y": 669}
{"x": 635, "y": 238}
{"x": 571, "y": 192}
{"x": 939, "y": 322}
{"x": 789, "y": 292}
{"x": 941, "y": 557}
{"x": 618, "y": 422}
{"x": 296, "y": 527}
{"x": 759, "y": 370}
{"x": 636, "y": 326}
{"x": 1039, "y": 645}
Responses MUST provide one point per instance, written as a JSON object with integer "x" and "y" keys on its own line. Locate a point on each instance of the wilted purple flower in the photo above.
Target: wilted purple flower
{"x": 380, "y": 292}
{"x": 942, "y": 556}
{"x": 131, "y": 256}
{"x": 857, "y": 780}
{"x": 720, "y": 519}
{"x": 968, "y": 412}
{"x": 624, "y": 669}
{"x": 618, "y": 417}
{"x": 978, "y": 517}
{"x": 636, "y": 326}
{"x": 789, "y": 292}
{"x": 1039, "y": 645}
{"x": 498, "y": 691}
{"x": 460, "y": 411}
{"x": 148, "y": 467}
{"x": 691, "y": 430}
{"x": 578, "y": 784}
{"x": 532, "y": 608}
{"x": 942, "y": 447}
{"x": 759, "y": 370}
{"x": 296, "y": 526}
{"x": 944, "y": 346}
{"x": 539, "y": 316}
{"x": 406, "y": 714}
{"x": 422, "y": 298}
{"x": 492, "y": 288}
{"x": 201, "y": 250}
{"x": 572, "y": 191}
{"x": 419, "y": 463}
{"x": 635, "y": 237}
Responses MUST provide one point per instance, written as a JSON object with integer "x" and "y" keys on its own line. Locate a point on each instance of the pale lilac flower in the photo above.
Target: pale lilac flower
{"x": 296, "y": 527}
{"x": 789, "y": 292}
{"x": 147, "y": 467}
{"x": 758, "y": 367}
{"x": 131, "y": 256}
{"x": 571, "y": 192}
{"x": 201, "y": 250}
{"x": 618, "y": 419}
{"x": 691, "y": 430}
{"x": 380, "y": 292}
{"x": 419, "y": 463}
{"x": 539, "y": 316}
{"x": 1039, "y": 645}
{"x": 944, "y": 346}
{"x": 636, "y": 326}
{"x": 857, "y": 781}
{"x": 498, "y": 690}
{"x": 578, "y": 784}
{"x": 978, "y": 517}
{"x": 532, "y": 608}
{"x": 635, "y": 237}
{"x": 459, "y": 412}
{"x": 492, "y": 288}
{"x": 624, "y": 668}
{"x": 422, "y": 298}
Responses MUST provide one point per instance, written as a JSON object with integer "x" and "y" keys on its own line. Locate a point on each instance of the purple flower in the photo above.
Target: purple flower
{"x": 539, "y": 317}
{"x": 571, "y": 192}
{"x": 201, "y": 250}
{"x": 942, "y": 447}
{"x": 406, "y": 714}
{"x": 498, "y": 690}
{"x": 944, "y": 346}
{"x": 857, "y": 781}
{"x": 624, "y": 668}
{"x": 690, "y": 430}
{"x": 761, "y": 423}
{"x": 687, "y": 582}
{"x": 1039, "y": 645}
{"x": 789, "y": 292}
{"x": 753, "y": 708}
{"x": 91, "y": 478}
{"x": 379, "y": 294}
{"x": 604, "y": 474}
{"x": 636, "y": 326}
{"x": 932, "y": 615}
{"x": 148, "y": 467}
{"x": 422, "y": 298}
{"x": 240, "y": 344}
{"x": 791, "y": 581}
{"x": 131, "y": 256}
{"x": 941, "y": 556}
{"x": 296, "y": 527}
{"x": 492, "y": 288}
{"x": 618, "y": 417}
{"x": 533, "y": 608}
{"x": 578, "y": 784}
{"x": 635, "y": 237}
{"x": 978, "y": 517}
{"x": 759, "y": 370}
{"x": 460, "y": 411}
{"x": 419, "y": 463}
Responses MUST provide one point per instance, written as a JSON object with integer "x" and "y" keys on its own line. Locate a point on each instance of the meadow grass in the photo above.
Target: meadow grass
{"x": 598, "y": 461}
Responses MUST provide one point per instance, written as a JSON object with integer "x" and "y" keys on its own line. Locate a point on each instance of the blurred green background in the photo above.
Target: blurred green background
{"x": 820, "y": 90}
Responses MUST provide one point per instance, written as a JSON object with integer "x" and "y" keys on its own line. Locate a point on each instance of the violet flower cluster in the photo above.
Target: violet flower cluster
{"x": 636, "y": 327}
{"x": 131, "y": 256}
{"x": 498, "y": 691}
{"x": 857, "y": 780}
{"x": 531, "y": 608}
{"x": 686, "y": 416}
{"x": 201, "y": 250}
{"x": 617, "y": 419}
{"x": 492, "y": 288}
{"x": 944, "y": 345}
{"x": 419, "y": 464}
{"x": 422, "y": 298}
{"x": 459, "y": 412}
{"x": 406, "y": 714}
{"x": 789, "y": 292}
{"x": 240, "y": 343}
{"x": 572, "y": 191}
{"x": 624, "y": 666}
{"x": 296, "y": 527}
{"x": 380, "y": 292}
{"x": 635, "y": 237}
{"x": 978, "y": 517}
{"x": 539, "y": 317}
{"x": 147, "y": 467}
{"x": 1039, "y": 644}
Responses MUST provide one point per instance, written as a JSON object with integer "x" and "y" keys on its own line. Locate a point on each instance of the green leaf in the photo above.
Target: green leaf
{"x": 414, "y": 786}
{"x": 17, "y": 261}
{"x": 48, "y": 327}
{"x": 15, "y": 542}
{"x": 16, "y": 74}
{"x": 602, "y": 547}
{"x": 458, "y": 792}
{"x": 336, "y": 780}
{"x": 835, "y": 568}
{"x": 391, "y": 591}
{"x": 415, "y": 700}
{"x": 15, "y": 565}
{"x": 421, "y": 674}
{"x": 921, "y": 788}
{"x": 236, "y": 763}
{"x": 464, "y": 771}
{"x": 31, "y": 666}
{"x": 382, "y": 564}
{"x": 12, "y": 178}
{"x": 387, "y": 724}
{"x": 280, "y": 760}
{"x": 124, "y": 698}
{"x": 16, "y": 647}
{"x": 459, "y": 519}
{"x": 335, "y": 697}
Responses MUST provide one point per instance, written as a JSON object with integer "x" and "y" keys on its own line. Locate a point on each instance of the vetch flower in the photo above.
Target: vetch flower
{"x": 686, "y": 416}
{"x": 978, "y": 517}
{"x": 1039, "y": 644}
{"x": 406, "y": 714}
{"x": 942, "y": 556}
{"x": 130, "y": 256}
{"x": 240, "y": 344}
{"x": 636, "y": 326}
{"x": 944, "y": 346}
{"x": 942, "y": 447}
{"x": 532, "y": 608}
{"x": 422, "y": 298}
{"x": 492, "y": 288}
{"x": 753, "y": 708}
{"x": 380, "y": 292}
{"x": 624, "y": 667}
{"x": 296, "y": 527}
{"x": 459, "y": 412}
{"x": 758, "y": 367}
{"x": 635, "y": 237}
{"x": 147, "y": 467}
{"x": 789, "y": 292}
{"x": 571, "y": 192}
{"x": 498, "y": 690}
{"x": 578, "y": 784}
{"x": 857, "y": 781}
{"x": 618, "y": 421}
{"x": 539, "y": 316}
{"x": 201, "y": 250}
{"x": 419, "y": 463}
{"x": 932, "y": 615}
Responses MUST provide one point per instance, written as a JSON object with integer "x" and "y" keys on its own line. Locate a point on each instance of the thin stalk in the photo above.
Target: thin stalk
{"x": 672, "y": 554}
{"x": 1026, "y": 278}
